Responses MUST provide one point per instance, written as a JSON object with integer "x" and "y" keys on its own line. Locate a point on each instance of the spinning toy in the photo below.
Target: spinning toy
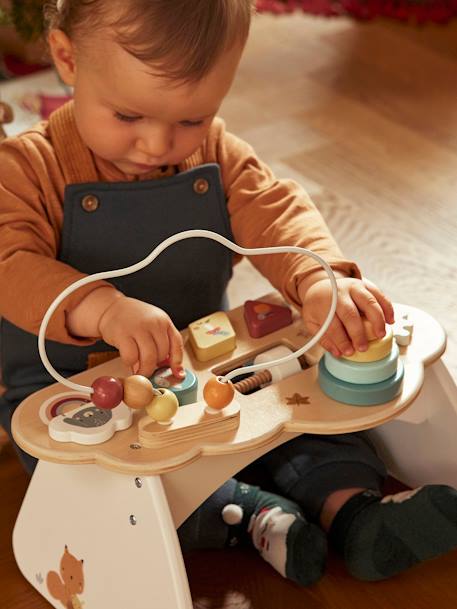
{"x": 117, "y": 480}
{"x": 184, "y": 388}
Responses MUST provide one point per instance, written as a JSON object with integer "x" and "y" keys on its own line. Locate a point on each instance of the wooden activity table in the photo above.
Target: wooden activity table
{"x": 116, "y": 505}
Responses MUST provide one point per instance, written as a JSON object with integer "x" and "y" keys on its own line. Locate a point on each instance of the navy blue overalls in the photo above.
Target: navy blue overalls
{"x": 122, "y": 224}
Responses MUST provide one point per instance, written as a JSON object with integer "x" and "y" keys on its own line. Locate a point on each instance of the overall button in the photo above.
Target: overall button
{"x": 201, "y": 186}
{"x": 90, "y": 203}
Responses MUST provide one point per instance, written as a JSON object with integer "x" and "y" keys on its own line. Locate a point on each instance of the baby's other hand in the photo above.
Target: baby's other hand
{"x": 356, "y": 298}
{"x": 143, "y": 334}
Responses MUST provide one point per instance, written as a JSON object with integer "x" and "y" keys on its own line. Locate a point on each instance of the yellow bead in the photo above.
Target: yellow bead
{"x": 163, "y": 407}
{"x": 138, "y": 391}
{"x": 218, "y": 394}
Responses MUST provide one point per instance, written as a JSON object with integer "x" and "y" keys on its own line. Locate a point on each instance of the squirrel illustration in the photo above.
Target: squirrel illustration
{"x": 69, "y": 583}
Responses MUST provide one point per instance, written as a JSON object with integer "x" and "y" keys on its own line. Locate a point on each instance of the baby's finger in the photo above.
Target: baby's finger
{"x": 327, "y": 340}
{"x": 349, "y": 316}
{"x": 162, "y": 342}
{"x": 329, "y": 346}
{"x": 148, "y": 354}
{"x": 129, "y": 352}
{"x": 367, "y": 304}
{"x": 338, "y": 335}
{"x": 385, "y": 303}
{"x": 176, "y": 352}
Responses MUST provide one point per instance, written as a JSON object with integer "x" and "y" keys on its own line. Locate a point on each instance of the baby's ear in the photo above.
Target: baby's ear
{"x": 63, "y": 54}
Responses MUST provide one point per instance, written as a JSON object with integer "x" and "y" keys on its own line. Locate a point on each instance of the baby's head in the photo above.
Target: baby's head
{"x": 148, "y": 75}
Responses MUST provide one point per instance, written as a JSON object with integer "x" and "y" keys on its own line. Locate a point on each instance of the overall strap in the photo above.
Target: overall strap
{"x": 76, "y": 159}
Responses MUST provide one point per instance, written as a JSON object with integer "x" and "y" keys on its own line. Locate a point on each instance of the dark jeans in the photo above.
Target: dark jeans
{"x": 306, "y": 469}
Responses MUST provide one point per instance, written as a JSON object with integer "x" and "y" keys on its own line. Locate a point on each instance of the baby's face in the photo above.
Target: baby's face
{"x": 137, "y": 120}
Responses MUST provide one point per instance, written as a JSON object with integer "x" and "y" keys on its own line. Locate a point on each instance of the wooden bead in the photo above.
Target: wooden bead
{"x": 138, "y": 391}
{"x": 163, "y": 407}
{"x": 108, "y": 392}
{"x": 218, "y": 394}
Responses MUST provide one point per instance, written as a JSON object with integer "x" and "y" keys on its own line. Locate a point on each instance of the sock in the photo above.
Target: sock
{"x": 277, "y": 528}
{"x": 382, "y": 536}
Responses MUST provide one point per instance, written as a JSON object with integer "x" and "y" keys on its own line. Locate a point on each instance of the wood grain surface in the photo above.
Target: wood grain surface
{"x": 363, "y": 115}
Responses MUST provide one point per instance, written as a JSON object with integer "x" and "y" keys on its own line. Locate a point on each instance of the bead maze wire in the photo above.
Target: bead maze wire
{"x": 190, "y": 234}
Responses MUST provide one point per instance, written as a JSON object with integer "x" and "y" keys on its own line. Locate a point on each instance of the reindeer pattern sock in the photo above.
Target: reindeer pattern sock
{"x": 279, "y": 531}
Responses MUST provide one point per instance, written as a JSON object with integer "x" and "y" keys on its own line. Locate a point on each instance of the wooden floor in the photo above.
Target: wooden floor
{"x": 365, "y": 116}
{"x": 238, "y": 578}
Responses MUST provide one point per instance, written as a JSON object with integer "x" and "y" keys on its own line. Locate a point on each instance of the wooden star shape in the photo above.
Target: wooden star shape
{"x": 297, "y": 399}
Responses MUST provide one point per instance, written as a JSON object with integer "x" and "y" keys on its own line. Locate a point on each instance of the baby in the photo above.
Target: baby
{"x": 138, "y": 155}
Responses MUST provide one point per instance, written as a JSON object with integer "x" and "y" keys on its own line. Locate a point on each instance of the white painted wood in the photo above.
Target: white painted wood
{"x": 62, "y": 431}
{"x": 88, "y": 509}
{"x": 419, "y": 447}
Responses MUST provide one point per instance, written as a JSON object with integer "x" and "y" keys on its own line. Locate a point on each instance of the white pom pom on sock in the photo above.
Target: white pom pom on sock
{"x": 232, "y": 514}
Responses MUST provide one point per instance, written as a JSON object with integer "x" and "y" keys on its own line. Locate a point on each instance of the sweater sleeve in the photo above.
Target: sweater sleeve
{"x": 30, "y": 222}
{"x": 265, "y": 211}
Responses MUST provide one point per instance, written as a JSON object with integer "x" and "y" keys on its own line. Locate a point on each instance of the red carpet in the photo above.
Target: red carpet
{"x": 419, "y": 11}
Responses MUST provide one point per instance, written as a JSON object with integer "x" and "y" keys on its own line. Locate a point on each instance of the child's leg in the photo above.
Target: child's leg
{"x": 337, "y": 480}
{"x": 237, "y": 512}
{"x": 205, "y": 527}
{"x": 382, "y": 536}
{"x": 310, "y": 468}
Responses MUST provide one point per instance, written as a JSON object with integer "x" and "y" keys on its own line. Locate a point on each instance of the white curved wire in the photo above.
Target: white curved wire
{"x": 152, "y": 256}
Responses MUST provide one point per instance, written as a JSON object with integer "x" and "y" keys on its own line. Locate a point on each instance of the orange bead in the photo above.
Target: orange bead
{"x": 218, "y": 394}
{"x": 138, "y": 391}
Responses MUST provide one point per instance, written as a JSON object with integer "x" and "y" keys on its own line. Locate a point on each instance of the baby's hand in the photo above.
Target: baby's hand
{"x": 356, "y": 297}
{"x": 143, "y": 334}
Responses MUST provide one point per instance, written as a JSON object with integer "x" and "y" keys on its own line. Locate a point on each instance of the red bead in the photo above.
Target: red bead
{"x": 108, "y": 392}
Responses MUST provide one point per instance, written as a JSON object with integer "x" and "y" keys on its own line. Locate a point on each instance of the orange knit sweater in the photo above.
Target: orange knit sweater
{"x": 264, "y": 211}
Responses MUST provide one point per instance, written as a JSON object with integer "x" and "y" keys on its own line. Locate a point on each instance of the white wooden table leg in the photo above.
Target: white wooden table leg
{"x": 419, "y": 446}
{"x": 119, "y": 525}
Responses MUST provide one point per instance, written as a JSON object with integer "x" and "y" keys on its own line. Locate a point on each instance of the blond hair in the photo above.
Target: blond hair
{"x": 180, "y": 38}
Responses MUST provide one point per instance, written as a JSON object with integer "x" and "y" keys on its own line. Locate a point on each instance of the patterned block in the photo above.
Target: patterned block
{"x": 365, "y": 373}
{"x": 360, "y": 395}
{"x": 212, "y": 336}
